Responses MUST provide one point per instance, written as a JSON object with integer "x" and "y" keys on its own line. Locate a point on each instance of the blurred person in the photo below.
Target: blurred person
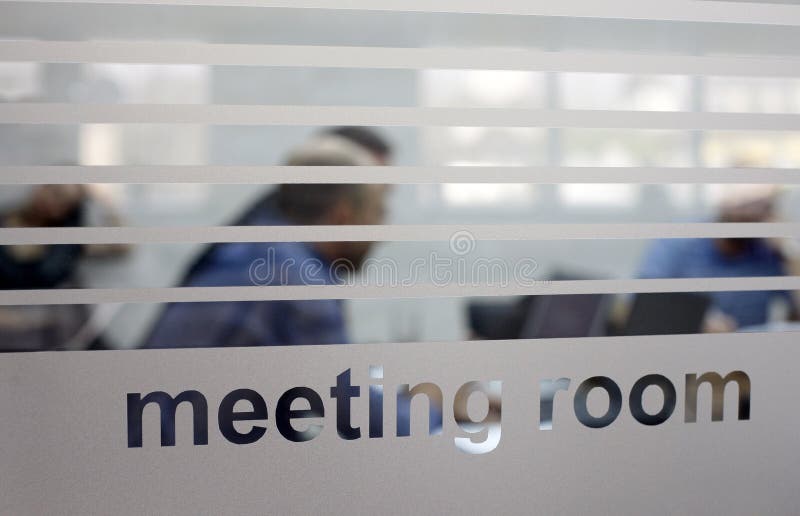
{"x": 366, "y": 138}
{"x": 36, "y": 328}
{"x": 267, "y": 323}
{"x": 729, "y": 257}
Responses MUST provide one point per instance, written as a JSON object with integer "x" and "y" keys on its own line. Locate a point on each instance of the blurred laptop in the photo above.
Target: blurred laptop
{"x": 667, "y": 313}
{"x": 498, "y": 320}
{"x": 568, "y": 315}
{"x": 540, "y": 317}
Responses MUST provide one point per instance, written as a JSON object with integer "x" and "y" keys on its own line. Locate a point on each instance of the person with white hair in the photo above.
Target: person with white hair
{"x": 729, "y": 257}
{"x": 265, "y": 323}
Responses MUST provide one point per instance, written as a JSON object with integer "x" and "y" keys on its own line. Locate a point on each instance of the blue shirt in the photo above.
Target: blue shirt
{"x": 701, "y": 258}
{"x": 262, "y": 323}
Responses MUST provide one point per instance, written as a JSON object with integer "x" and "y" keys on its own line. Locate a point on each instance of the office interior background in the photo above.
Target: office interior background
{"x": 388, "y": 320}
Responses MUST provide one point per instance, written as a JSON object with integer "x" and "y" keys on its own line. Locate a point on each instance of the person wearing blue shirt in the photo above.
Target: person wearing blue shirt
{"x": 727, "y": 257}
{"x": 266, "y": 323}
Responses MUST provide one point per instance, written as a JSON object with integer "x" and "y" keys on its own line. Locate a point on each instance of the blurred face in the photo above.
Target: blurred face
{"x": 382, "y": 159}
{"x": 50, "y": 204}
{"x": 370, "y": 209}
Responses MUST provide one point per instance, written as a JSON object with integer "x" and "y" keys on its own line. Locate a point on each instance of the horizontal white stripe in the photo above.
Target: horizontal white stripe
{"x": 673, "y": 10}
{"x": 391, "y": 233}
{"x": 403, "y": 58}
{"x": 229, "y": 294}
{"x": 44, "y": 113}
{"x": 20, "y": 175}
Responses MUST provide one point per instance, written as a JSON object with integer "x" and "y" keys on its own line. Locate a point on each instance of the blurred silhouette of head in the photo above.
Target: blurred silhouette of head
{"x": 746, "y": 203}
{"x": 43, "y": 205}
{"x": 336, "y": 203}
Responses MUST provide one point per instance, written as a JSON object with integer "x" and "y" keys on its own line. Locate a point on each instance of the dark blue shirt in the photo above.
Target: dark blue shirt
{"x": 701, "y": 258}
{"x": 262, "y": 323}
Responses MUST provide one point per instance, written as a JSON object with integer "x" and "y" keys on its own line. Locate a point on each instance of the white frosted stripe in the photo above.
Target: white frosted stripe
{"x": 391, "y": 233}
{"x": 229, "y": 294}
{"x": 44, "y": 113}
{"x": 154, "y": 52}
{"x": 18, "y": 175}
{"x": 672, "y": 10}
